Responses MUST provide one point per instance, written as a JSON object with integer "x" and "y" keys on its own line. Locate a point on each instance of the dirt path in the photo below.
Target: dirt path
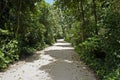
{"x": 57, "y": 62}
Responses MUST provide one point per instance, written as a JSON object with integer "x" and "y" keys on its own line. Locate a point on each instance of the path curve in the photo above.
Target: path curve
{"x": 57, "y": 62}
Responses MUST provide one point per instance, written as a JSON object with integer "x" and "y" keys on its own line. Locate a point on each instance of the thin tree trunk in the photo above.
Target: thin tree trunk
{"x": 82, "y": 10}
{"x": 18, "y": 18}
{"x": 95, "y": 16}
{"x": 83, "y": 20}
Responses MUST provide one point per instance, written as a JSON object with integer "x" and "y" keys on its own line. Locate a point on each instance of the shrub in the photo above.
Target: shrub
{"x": 9, "y": 53}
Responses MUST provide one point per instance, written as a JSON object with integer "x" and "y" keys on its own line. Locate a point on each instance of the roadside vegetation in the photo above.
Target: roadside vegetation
{"x": 93, "y": 28}
{"x": 26, "y": 26}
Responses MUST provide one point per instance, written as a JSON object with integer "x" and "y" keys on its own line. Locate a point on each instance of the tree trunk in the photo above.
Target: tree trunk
{"x": 83, "y": 20}
{"x": 95, "y": 16}
{"x": 18, "y": 17}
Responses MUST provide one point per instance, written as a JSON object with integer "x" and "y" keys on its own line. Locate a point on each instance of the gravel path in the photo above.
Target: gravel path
{"x": 57, "y": 62}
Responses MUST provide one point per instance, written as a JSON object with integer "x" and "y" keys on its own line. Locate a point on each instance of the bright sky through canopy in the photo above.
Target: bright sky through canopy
{"x": 49, "y": 1}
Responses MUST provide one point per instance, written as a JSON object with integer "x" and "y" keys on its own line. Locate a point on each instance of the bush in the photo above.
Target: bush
{"x": 9, "y": 53}
{"x": 95, "y": 54}
{"x": 88, "y": 47}
{"x": 3, "y": 63}
{"x": 26, "y": 51}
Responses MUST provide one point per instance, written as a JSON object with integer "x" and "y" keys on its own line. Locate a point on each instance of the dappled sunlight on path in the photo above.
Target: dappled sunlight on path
{"x": 57, "y": 62}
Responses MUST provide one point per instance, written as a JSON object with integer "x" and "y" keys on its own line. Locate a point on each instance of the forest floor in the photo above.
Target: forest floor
{"x": 57, "y": 62}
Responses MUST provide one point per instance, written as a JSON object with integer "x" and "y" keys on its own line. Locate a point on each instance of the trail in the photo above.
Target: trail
{"x": 57, "y": 62}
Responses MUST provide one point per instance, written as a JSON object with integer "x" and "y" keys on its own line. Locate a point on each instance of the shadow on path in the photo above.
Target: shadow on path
{"x": 64, "y": 67}
{"x": 57, "y": 62}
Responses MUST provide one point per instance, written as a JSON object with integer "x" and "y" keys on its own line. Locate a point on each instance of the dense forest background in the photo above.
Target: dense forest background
{"x": 92, "y": 26}
{"x": 26, "y": 26}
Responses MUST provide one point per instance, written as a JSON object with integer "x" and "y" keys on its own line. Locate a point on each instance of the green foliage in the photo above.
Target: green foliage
{"x": 9, "y": 53}
{"x": 26, "y": 51}
{"x": 86, "y": 51}
{"x": 95, "y": 54}
{"x": 87, "y": 48}
{"x": 102, "y": 53}
{"x": 26, "y": 26}
{"x": 4, "y": 32}
{"x": 2, "y": 60}
{"x": 112, "y": 38}
{"x": 10, "y": 50}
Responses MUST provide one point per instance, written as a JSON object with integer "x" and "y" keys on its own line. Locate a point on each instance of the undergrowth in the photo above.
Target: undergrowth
{"x": 94, "y": 53}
